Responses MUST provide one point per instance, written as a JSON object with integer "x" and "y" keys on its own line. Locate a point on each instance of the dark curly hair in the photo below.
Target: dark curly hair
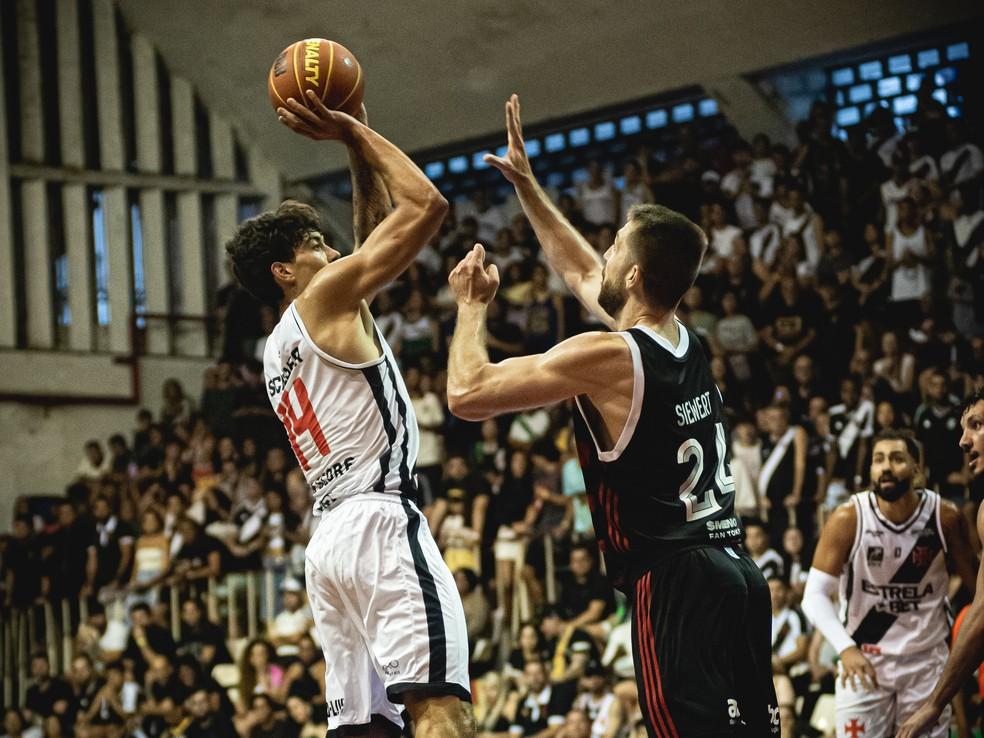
{"x": 970, "y": 400}
{"x": 265, "y": 239}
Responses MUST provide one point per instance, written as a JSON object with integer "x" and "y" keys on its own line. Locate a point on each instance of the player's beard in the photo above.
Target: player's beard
{"x": 612, "y": 296}
{"x": 895, "y": 492}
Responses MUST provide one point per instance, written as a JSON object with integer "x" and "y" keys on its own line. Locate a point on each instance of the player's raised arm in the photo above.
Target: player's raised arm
{"x": 568, "y": 252}
{"x": 586, "y": 364}
{"x": 417, "y": 214}
{"x": 371, "y": 201}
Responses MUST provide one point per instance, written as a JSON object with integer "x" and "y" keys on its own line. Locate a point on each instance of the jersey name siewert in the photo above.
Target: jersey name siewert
{"x": 694, "y": 409}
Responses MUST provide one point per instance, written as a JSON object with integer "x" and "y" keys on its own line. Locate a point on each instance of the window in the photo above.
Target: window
{"x": 434, "y": 169}
{"x": 458, "y": 164}
{"x": 955, "y": 52}
{"x": 848, "y": 117}
{"x": 656, "y": 119}
{"x": 898, "y": 64}
{"x": 136, "y": 242}
{"x": 533, "y": 147}
{"x": 604, "y": 131}
{"x": 889, "y": 86}
{"x": 630, "y": 125}
{"x": 579, "y": 137}
{"x": 870, "y": 70}
{"x": 860, "y": 93}
{"x": 708, "y": 107}
{"x": 928, "y": 58}
{"x": 905, "y": 105}
{"x": 913, "y": 82}
{"x": 683, "y": 113}
{"x": 554, "y": 142}
{"x": 100, "y": 260}
{"x": 843, "y": 76}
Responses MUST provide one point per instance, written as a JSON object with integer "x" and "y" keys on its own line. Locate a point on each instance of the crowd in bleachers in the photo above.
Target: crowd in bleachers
{"x": 842, "y": 293}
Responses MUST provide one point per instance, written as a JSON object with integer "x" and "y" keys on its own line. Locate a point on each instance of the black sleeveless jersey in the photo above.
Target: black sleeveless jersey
{"x": 666, "y": 484}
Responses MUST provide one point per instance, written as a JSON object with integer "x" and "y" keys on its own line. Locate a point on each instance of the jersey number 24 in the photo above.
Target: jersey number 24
{"x": 701, "y": 505}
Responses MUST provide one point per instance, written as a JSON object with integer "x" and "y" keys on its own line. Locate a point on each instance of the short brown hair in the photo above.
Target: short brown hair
{"x": 669, "y": 248}
{"x": 266, "y": 239}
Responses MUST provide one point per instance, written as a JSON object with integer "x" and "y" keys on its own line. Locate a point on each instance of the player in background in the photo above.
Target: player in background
{"x": 888, "y": 553}
{"x": 651, "y": 438}
{"x": 968, "y": 651}
{"x": 385, "y": 605}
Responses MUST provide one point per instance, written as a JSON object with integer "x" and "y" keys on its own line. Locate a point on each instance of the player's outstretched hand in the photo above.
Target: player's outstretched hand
{"x": 471, "y": 281}
{"x": 316, "y": 122}
{"x": 920, "y": 723}
{"x": 515, "y": 165}
{"x": 856, "y": 670}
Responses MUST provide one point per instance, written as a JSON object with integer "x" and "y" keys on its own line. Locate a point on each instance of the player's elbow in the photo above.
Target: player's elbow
{"x": 464, "y": 403}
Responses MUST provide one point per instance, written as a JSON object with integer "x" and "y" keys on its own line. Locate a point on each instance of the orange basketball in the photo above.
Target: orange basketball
{"x": 326, "y": 67}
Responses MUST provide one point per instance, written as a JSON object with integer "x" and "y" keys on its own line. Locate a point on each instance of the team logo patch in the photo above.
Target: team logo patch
{"x": 854, "y": 729}
{"x": 922, "y": 556}
{"x": 335, "y": 707}
{"x": 876, "y": 555}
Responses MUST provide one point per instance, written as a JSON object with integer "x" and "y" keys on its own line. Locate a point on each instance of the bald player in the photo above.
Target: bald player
{"x": 968, "y": 652}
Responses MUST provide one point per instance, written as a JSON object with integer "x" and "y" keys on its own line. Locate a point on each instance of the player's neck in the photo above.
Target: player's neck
{"x": 900, "y": 510}
{"x": 637, "y": 314}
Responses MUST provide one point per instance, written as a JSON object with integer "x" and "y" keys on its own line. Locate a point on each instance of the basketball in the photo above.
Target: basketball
{"x": 326, "y": 67}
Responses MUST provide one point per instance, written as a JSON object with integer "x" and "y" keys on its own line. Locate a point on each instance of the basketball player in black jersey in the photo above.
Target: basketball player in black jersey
{"x": 653, "y": 447}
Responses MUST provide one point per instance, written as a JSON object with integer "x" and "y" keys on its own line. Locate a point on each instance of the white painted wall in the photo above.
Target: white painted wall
{"x": 41, "y": 447}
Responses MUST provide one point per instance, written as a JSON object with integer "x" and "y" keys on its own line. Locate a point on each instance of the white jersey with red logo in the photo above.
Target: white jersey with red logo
{"x": 351, "y": 426}
{"x": 893, "y": 590}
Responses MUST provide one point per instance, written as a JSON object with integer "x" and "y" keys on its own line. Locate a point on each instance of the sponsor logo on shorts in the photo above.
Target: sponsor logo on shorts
{"x": 335, "y": 707}
{"x": 392, "y": 668}
{"x": 734, "y": 714}
{"x": 774, "y": 718}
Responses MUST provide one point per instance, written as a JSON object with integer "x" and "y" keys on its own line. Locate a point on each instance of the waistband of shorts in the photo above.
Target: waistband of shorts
{"x": 396, "y": 496}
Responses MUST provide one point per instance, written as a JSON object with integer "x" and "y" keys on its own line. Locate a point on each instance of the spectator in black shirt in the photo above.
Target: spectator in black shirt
{"x": 66, "y": 553}
{"x": 200, "y": 555}
{"x": 147, "y": 640}
{"x": 113, "y": 544}
{"x": 120, "y": 454}
{"x": 790, "y": 327}
{"x": 543, "y": 704}
{"x": 263, "y": 719}
{"x": 206, "y": 721}
{"x": 21, "y": 562}
{"x": 937, "y": 427}
{"x": 49, "y": 695}
{"x": 85, "y": 685}
{"x": 571, "y": 648}
{"x": 162, "y": 690}
{"x": 505, "y": 339}
{"x": 200, "y": 637}
{"x": 586, "y": 597}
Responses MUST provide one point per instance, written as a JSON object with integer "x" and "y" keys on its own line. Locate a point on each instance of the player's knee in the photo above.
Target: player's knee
{"x": 442, "y": 716}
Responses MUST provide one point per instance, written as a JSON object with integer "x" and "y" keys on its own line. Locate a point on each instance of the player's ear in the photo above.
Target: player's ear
{"x": 282, "y": 271}
{"x": 633, "y": 275}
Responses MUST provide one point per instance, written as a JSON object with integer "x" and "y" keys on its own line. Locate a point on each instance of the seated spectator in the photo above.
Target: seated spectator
{"x": 15, "y": 725}
{"x": 963, "y": 161}
{"x": 597, "y": 701}
{"x": 305, "y": 675}
{"x": 200, "y": 638}
{"x": 199, "y": 558}
{"x": 94, "y": 464}
{"x": 48, "y": 695}
{"x": 206, "y": 721}
{"x": 263, "y": 719}
{"x": 896, "y": 188}
{"x": 789, "y": 630}
{"x": 259, "y": 673}
{"x": 493, "y": 707}
{"x": 147, "y": 640}
{"x": 418, "y": 334}
{"x": 577, "y": 724}
{"x": 176, "y": 406}
{"x": 796, "y": 562}
{"x": 293, "y": 622}
{"x": 100, "y": 637}
{"x": 304, "y": 723}
{"x": 478, "y": 612}
{"x": 120, "y": 455}
{"x": 851, "y": 426}
{"x": 571, "y": 648}
{"x": 805, "y": 224}
{"x": 724, "y": 238}
{"x": 530, "y": 646}
{"x": 635, "y": 189}
{"x": 543, "y": 702}
{"x": 894, "y": 373}
{"x": 586, "y": 596}
{"x": 85, "y": 686}
{"x": 106, "y": 717}
{"x": 768, "y": 561}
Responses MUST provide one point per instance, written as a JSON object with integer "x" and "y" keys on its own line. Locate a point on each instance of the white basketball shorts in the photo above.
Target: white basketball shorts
{"x": 386, "y": 609}
{"x": 904, "y": 685}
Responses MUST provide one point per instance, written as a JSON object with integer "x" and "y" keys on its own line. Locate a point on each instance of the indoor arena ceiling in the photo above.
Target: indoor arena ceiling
{"x": 437, "y": 71}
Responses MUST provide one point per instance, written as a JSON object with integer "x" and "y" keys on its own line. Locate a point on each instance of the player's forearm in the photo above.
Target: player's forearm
{"x": 967, "y": 654}
{"x": 370, "y": 198}
{"x": 400, "y": 176}
{"x": 566, "y": 249}
{"x": 466, "y": 359}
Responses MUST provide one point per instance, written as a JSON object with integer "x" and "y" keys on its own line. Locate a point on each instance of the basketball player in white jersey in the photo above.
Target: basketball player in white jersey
{"x": 888, "y": 553}
{"x": 968, "y": 651}
{"x": 385, "y": 605}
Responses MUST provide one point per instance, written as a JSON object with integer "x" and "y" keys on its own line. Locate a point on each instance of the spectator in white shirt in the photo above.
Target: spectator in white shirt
{"x": 962, "y": 161}
{"x": 95, "y": 463}
{"x": 737, "y": 185}
{"x": 489, "y": 217}
{"x": 294, "y": 622}
{"x": 897, "y": 188}
{"x": 763, "y": 168}
{"x": 597, "y": 197}
{"x": 910, "y": 253}
{"x": 765, "y": 240}
{"x": 804, "y": 223}
{"x": 430, "y": 420}
{"x": 724, "y": 238}
{"x": 635, "y": 187}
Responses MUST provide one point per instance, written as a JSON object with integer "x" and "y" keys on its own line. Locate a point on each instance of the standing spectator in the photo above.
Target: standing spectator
{"x": 544, "y": 314}
{"x": 791, "y": 317}
{"x": 852, "y": 426}
{"x": 151, "y": 557}
{"x": 894, "y": 373}
{"x": 783, "y": 472}
{"x": 430, "y": 419}
{"x": 147, "y": 640}
{"x": 910, "y": 255}
{"x": 789, "y": 630}
{"x": 598, "y": 703}
{"x": 121, "y": 457}
{"x": 735, "y": 338}
{"x": 94, "y": 464}
{"x": 746, "y": 466}
{"x": 113, "y": 544}
{"x": 937, "y": 427}
{"x": 419, "y": 335}
{"x": 199, "y": 558}
{"x": 765, "y": 240}
{"x": 963, "y": 161}
{"x": 596, "y": 197}
{"x": 21, "y": 562}
{"x": 635, "y": 187}
{"x": 293, "y": 622}
{"x": 895, "y": 189}
{"x": 724, "y": 238}
{"x": 67, "y": 553}
{"x": 489, "y": 218}
{"x": 805, "y": 224}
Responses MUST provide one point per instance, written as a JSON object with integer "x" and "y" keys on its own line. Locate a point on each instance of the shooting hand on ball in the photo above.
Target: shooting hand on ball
{"x": 515, "y": 165}
{"x": 316, "y": 122}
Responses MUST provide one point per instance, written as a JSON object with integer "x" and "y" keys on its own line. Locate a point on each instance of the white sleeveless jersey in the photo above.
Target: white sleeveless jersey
{"x": 893, "y": 591}
{"x": 351, "y": 426}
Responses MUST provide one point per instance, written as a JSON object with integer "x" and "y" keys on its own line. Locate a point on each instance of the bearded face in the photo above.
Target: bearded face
{"x": 613, "y": 294}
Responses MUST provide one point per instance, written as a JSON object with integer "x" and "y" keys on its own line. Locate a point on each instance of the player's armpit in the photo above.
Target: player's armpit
{"x": 836, "y": 540}
{"x": 960, "y": 554}
{"x": 586, "y": 364}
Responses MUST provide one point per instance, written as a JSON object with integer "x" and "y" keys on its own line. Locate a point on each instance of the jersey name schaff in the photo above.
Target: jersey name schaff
{"x": 666, "y": 483}
{"x": 351, "y": 426}
{"x": 893, "y": 590}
